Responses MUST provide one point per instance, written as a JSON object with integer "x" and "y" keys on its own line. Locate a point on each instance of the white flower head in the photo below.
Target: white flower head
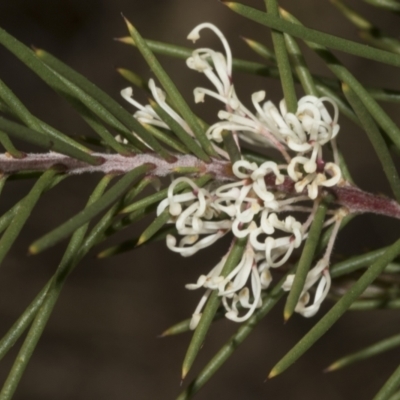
{"x": 257, "y": 204}
{"x": 319, "y": 273}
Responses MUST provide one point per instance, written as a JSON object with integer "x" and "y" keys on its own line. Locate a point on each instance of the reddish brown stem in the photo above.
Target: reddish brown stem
{"x": 345, "y": 195}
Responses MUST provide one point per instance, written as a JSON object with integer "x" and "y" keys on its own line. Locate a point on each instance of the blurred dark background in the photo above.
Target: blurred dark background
{"x": 101, "y": 342}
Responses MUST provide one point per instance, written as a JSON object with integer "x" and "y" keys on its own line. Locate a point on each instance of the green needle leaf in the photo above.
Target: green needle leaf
{"x": 134, "y": 78}
{"x": 3, "y": 180}
{"x": 46, "y": 141}
{"x": 395, "y": 396}
{"x": 342, "y": 104}
{"x": 154, "y": 227}
{"x": 162, "y": 194}
{"x": 390, "y": 5}
{"x": 186, "y": 139}
{"x": 66, "y": 265}
{"x": 184, "y": 326}
{"x": 344, "y": 75}
{"x": 172, "y": 50}
{"x": 97, "y": 234}
{"x": 368, "y": 31}
{"x": 354, "y": 17}
{"x": 227, "y": 350}
{"x": 164, "y": 136}
{"x": 138, "y": 188}
{"x": 97, "y": 101}
{"x": 163, "y": 48}
{"x": 376, "y": 140}
{"x": 8, "y": 216}
{"x": 262, "y": 70}
{"x": 328, "y": 232}
{"x": 211, "y": 308}
{"x": 375, "y": 304}
{"x": 261, "y": 49}
{"x": 314, "y": 36}
{"x": 323, "y": 325}
{"x": 233, "y": 343}
{"x": 381, "y": 41}
{"x": 22, "y": 323}
{"x": 367, "y": 352}
{"x": 127, "y": 221}
{"x": 231, "y": 146}
{"x": 90, "y": 212}
{"x": 300, "y": 66}
{"x": 18, "y": 110}
{"x": 9, "y": 147}
{"x": 354, "y": 263}
{"x": 130, "y": 245}
{"x": 306, "y": 259}
{"x": 104, "y": 114}
{"x": 175, "y": 97}
{"x": 180, "y": 327}
{"x": 344, "y": 168}
{"x": 19, "y": 327}
{"x": 282, "y": 60}
{"x": 91, "y": 119}
{"x": 23, "y": 211}
{"x": 390, "y": 386}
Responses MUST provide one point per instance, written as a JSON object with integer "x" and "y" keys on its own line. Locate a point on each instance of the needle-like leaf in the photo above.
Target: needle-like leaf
{"x": 354, "y": 263}
{"x": 232, "y": 344}
{"x": 46, "y": 141}
{"x": 390, "y": 5}
{"x": 67, "y": 263}
{"x": 314, "y": 36}
{"x": 89, "y": 212}
{"x": 23, "y": 211}
{"x": 162, "y": 194}
{"x": 390, "y": 386}
{"x": 166, "y": 137}
{"x": 231, "y": 146}
{"x": 299, "y": 66}
{"x": 367, "y": 352}
{"x": 306, "y": 259}
{"x": 185, "y": 138}
{"x": 133, "y": 78}
{"x": 103, "y": 105}
{"x": 282, "y": 60}
{"x": 9, "y": 147}
{"x": 173, "y": 93}
{"x": 154, "y": 227}
{"x": 211, "y": 308}
{"x": 376, "y": 140}
{"x": 345, "y": 75}
{"x": 261, "y": 49}
{"x": 256, "y": 68}
{"x": 23, "y": 322}
{"x": 130, "y": 245}
{"x": 337, "y": 310}
{"x": 18, "y": 110}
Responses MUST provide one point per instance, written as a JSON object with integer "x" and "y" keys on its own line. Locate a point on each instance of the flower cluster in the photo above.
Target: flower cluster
{"x": 246, "y": 208}
{"x": 249, "y": 207}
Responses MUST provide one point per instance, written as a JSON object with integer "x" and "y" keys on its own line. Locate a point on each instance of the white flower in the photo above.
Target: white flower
{"x": 232, "y": 288}
{"x": 221, "y": 63}
{"x": 319, "y": 272}
{"x": 312, "y": 181}
{"x": 248, "y": 207}
{"x": 192, "y": 240}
